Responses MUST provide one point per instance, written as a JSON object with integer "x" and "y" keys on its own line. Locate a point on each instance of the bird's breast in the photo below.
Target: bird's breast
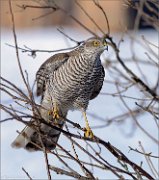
{"x": 75, "y": 78}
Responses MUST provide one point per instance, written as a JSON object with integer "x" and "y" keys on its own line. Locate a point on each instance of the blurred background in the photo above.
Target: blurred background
{"x": 119, "y": 15}
{"x": 30, "y": 18}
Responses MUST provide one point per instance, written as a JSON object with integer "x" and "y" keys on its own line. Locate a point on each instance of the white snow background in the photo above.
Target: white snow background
{"x": 13, "y": 160}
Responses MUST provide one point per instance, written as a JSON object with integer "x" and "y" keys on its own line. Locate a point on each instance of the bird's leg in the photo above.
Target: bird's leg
{"x": 56, "y": 112}
{"x": 88, "y": 132}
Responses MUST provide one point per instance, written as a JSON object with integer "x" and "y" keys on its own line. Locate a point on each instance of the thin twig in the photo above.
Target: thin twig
{"x": 71, "y": 174}
{"x": 133, "y": 76}
{"x": 145, "y": 154}
{"x": 16, "y": 43}
{"x": 104, "y": 13}
{"x": 47, "y": 165}
{"x": 27, "y": 174}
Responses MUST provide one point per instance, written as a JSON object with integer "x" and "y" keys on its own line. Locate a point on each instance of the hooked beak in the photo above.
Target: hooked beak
{"x": 105, "y": 44}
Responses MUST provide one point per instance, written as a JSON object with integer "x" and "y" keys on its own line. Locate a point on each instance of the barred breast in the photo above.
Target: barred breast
{"x": 72, "y": 84}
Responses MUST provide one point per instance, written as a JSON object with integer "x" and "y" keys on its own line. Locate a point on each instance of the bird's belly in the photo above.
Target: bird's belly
{"x": 72, "y": 89}
{"x": 74, "y": 95}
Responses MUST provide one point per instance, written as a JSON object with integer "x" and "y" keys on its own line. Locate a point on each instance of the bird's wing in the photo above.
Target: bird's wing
{"x": 99, "y": 84}
{"x": 49, "y": 66}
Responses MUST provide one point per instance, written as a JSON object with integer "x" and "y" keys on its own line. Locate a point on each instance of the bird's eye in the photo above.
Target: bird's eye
{"x": 96, "y": 43}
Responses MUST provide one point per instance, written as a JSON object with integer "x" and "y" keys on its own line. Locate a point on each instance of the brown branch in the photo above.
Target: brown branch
{"x": 104, "y": 13}
{"x": 119, "y": 155}
{"x": 152, "y": 112}
{"x": 133, "y": 76}
{"x": 71, "y": 174}
{"x": 47, "y": 164}
{"x": 133, "y": 117}
{"x": 16, "y": 43}
{"x": 149, "y": 162}
{"x": 42, "y": 16}
{"x": 62, "y": 161}
{"x": 145, "y": 154}
{"x": 111, "y": 148}
{"x": 57, "y": 7}
{"x": 71, "y": 39}
{"x": 106, "y": 166}
{"x": 114, "y": 169}
{"x": 24, "y": 6}
{"x": 14, "y": 88}
{"x": 114, "y": 151}
{"x": 34, "y": 51}
{"x": 27, "y": 174}
{"x": 77, "y": 21}
{"x": 86, "y": 13}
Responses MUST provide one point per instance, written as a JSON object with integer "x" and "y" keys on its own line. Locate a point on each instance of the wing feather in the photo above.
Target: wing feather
{"x": 50, "y": 65}
{"x": 99, "y": 85}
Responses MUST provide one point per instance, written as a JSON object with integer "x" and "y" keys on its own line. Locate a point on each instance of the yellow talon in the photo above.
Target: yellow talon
{"x": 49, "y": 112}
{"x": 56, "y": 115}
{"x": 54, "y": 112}
{"x": 88, "y": 132}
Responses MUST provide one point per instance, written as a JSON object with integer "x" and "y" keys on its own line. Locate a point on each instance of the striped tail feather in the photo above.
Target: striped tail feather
{"x": 30, "y": 139}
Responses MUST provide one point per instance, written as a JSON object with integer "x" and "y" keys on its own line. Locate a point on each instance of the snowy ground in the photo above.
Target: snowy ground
{"x": 106, "y": 106}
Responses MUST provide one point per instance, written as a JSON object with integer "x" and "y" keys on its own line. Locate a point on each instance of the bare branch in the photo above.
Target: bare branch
{"x": 27, "y": 173}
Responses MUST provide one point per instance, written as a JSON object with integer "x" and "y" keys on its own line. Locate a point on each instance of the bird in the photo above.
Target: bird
{"x": 66, "y": 81}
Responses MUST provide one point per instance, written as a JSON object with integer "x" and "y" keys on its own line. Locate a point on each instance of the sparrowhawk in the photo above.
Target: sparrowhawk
{"x": 66, "y": 81}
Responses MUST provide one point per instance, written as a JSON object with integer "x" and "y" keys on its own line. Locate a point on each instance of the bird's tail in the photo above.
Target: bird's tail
{"x": 32, "y": 140}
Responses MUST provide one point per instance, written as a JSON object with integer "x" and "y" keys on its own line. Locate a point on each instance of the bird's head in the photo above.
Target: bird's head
{"x": 95, "y": 45}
